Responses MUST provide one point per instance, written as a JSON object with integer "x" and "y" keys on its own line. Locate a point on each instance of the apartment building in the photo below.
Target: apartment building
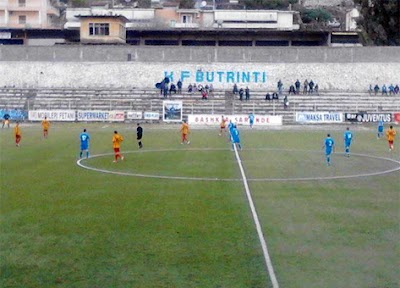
{"x": 28, "y": 14}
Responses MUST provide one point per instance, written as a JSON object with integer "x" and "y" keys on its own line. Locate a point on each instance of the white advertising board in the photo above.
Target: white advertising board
{"x": 52, "y": 115}
{"x": 239, "y": 119}
{"x": 319, "y": 117}
{"x": 148, "y": 115}
{"x": 134, "y": 115}
{"x": 172, "y": 111}
{"x": 99, "y": 115}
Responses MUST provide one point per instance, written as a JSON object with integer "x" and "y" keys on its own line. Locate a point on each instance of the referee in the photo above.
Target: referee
{"x": 139, "y": 135}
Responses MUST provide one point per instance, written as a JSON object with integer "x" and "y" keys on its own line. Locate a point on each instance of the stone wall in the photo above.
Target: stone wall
{"x": 259, "y": 68}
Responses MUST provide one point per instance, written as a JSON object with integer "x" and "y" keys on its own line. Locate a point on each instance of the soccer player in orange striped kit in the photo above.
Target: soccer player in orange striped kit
{"x": 185, "y": 131}
{"x": 17, "y": 134}
{"x": 117, "y": 140}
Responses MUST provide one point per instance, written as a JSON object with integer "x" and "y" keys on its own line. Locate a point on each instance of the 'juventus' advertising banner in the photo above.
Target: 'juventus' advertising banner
{"x": 368, "y": 117}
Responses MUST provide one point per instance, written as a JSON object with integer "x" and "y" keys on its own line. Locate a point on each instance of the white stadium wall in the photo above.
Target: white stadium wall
{"x": 346, "y": 69}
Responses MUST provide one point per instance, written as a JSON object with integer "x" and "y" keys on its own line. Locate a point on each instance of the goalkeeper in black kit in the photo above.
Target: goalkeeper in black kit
{"x": 139, "y": 135}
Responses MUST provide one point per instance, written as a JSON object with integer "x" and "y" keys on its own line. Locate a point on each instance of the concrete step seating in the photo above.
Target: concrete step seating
{"x": 218, "y": 103}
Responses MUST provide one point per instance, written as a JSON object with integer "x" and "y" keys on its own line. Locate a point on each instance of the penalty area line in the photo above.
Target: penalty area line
{"x": 261, "y": 237}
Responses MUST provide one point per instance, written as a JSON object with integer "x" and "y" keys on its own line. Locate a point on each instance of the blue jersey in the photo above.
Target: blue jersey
{"x": 329, "y": 143}
{"x": 251, "y": 118}
{"x": 235, "y": 135}
{"x": 230, "y": 127}
{"x": 380, "y": 126}
{"x": 84, "y": 137}
{"x": 347, "y": 136}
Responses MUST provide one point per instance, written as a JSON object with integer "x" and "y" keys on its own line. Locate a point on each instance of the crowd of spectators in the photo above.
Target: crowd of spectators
{"x": 384, "y": 90}
{"x": 241, "y": 92}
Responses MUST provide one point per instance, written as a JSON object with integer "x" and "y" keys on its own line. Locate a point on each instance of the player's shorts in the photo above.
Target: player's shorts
{"x": 139, "y": 137}
{"x": 116, "y": 150}
{"x": 235, "y": 140}
{"x": 380, "y": 129}
{"x": 391, "y": 142}
{"x": 251, "y": 122}
{"x": 328, "y": 152}
{"x": 45, "y": 130}
{"x": 84, "y": 147}
{"x": 347, "y": 143}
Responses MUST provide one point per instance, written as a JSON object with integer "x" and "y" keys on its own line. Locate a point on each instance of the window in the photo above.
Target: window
{"x": 186, "y": 18}
{"x": 22, "y": 19}
{"x": 99, "y": 29}
{"x": 21, "y": 3}
{"x": 122, "y": 31}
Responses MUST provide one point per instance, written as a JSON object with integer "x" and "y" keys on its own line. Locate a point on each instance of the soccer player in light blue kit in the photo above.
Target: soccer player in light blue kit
{"x": 251, "y": 120}
{"x": 235, "y": 138}
{"x": 380, "y": 129}
{"x": 347, "y": 137}
{"x": 230, "y": 127}
{"x": 84, "y": 138}
{"x": 329, "y": 146}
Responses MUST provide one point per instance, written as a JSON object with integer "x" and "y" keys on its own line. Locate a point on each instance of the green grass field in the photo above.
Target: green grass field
{"x": 66, "y": 226}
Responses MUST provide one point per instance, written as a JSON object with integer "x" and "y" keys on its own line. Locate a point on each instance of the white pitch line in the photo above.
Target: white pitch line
{"x": 267, "y": 258}
{"x": 397, "y": 168}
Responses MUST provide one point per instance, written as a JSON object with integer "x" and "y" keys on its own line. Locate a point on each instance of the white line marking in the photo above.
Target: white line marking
{"x": 267, "y": 258}
{"x": 80, "y": 164}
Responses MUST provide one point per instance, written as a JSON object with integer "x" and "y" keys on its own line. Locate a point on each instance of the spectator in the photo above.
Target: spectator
{"x": 204, "y": 95}
{"x": 292, "y": 90}
{"x": 241, "y": 92}
{"x": 311, "y": 85}
{"x": 396, "y": 89}
{"x": 384, "y": 90}
{"x": 280, "y": 86}
{"x": 370, "y": 90}
{"x": 190, "y": 88}
{"x": 275, "y": 96}
{"x": 297, "y": 84}
{"x": 162, "y": 86}
{"x": 179, "y": 84}
{"x": 172, "y": 89}
{"x": 247, "y": 93}
{"x": 285, "y": 102}
{"x": 211, "y": 90}
{"x": 235, "y": 89}
{"x": 305, "y": 87}
{"x": 316, "y": 89}
{"x": 166, "y": 90}
{"x": 268, "y": 96}
{"x": 391, "y": 89}
{"x": 376, "y": 89}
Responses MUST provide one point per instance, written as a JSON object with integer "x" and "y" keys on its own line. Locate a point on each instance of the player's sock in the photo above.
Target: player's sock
{"x": 80, "y": 154}
{"x": 240, "y": 146}
{"x": 87, "y": 154}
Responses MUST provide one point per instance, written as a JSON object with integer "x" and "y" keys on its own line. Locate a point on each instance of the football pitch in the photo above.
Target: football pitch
{"x": 173, "y": 215}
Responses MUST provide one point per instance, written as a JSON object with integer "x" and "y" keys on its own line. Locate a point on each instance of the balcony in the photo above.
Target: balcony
{"x": 53, "y": 11}
{"x": 186, "y": 25}
{"x": 29, "y": 8}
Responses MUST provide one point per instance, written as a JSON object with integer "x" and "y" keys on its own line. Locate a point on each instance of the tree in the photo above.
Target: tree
{"x": 315, "y": 15}
{"x": 380, "y": 21}
{"x": 186, "y": 4}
